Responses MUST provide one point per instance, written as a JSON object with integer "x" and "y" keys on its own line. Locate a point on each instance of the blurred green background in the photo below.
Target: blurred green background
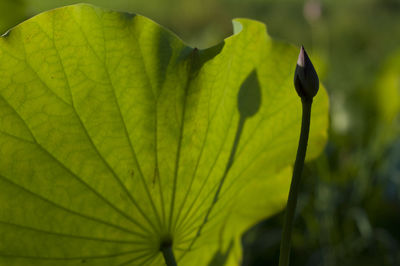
{"x": 349, "y": 207}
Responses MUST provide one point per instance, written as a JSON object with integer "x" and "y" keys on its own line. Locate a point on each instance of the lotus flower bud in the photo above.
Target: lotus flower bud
{"x": 306, "y": 79}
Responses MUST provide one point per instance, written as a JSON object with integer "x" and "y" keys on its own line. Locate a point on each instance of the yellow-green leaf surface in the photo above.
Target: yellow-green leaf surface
{"x": 115, "y": 136}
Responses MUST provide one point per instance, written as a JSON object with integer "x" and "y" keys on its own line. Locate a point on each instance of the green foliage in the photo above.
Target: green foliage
{"x": 11, "y": 12}
{"x": 115, "y": 136}
{"x": 387, "y": 92}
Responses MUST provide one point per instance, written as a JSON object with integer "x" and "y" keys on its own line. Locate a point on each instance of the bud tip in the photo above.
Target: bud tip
{"x": 300, "y": 60}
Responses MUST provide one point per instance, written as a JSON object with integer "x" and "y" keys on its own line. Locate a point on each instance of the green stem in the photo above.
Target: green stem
{"x": 168, "y": 255}
{"x": 294, "y": 187}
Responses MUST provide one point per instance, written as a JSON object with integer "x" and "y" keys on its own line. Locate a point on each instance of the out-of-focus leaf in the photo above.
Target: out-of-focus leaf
{"x": 11, "y": 13}
{"x": 387, "y": 92}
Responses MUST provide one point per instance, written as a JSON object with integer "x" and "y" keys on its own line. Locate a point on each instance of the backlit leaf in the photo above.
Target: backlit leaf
{"x": 115, "y": 135}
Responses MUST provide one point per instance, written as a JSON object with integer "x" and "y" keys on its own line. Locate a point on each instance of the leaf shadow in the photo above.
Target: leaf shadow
{"x": 220, "y": 258}
{"x": 248, "y": 104}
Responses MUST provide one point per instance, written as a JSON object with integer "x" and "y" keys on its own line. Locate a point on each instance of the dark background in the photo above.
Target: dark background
{"x": 349, "y": 207}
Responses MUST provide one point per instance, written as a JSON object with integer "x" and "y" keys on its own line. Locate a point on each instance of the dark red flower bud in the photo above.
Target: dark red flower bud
{"x": 306, "y": 79}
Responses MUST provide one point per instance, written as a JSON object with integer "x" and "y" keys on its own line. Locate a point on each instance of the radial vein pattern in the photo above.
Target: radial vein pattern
{"x": 116, "y": 136}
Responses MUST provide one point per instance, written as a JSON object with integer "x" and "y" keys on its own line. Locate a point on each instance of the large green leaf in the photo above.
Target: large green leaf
{"x": 115, "y": 136}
